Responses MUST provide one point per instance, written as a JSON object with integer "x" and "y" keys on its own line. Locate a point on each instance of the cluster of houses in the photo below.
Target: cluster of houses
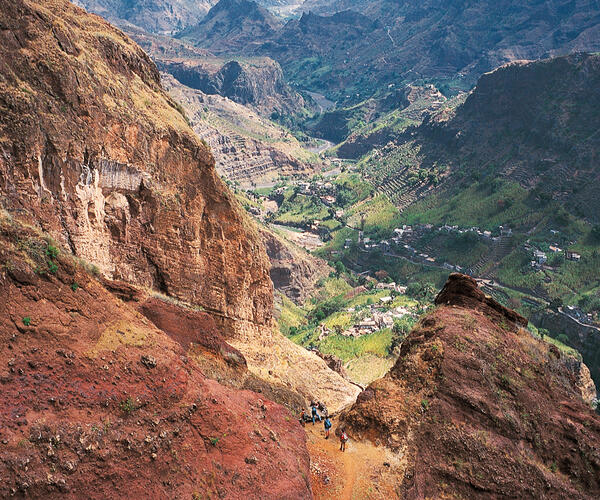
{"x": 323, "y": 189}
{"x": 578, "y": 314}
{"x": 540, "y": 258}
{"x": 376, "y": 316}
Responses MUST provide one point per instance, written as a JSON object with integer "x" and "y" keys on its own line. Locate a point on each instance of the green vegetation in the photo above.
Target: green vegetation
{"x": 52, "y": 252}
{"x": 128, "y": 406}
{"x": 347, "y": 348}
{"x": 351, "y": 189}
{"x": 301, "y": 210}
{"x": 27, "y": 320}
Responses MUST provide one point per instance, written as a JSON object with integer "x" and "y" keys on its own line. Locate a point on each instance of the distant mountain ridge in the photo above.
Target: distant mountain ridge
{"x": 533, "y": 123}
{"x": 231, "y": 25}
{"x": 357, "y": 52}
{"x": 151, "y": 15}
{"x": 160, "y": 16}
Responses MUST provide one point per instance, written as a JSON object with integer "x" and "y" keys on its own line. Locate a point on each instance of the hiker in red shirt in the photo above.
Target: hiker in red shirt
{"x": 343, "y": 440}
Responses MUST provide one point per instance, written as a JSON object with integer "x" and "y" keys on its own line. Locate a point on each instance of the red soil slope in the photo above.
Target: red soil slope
{"x": 478, "y": 408}
{"x": 100, "y": 403}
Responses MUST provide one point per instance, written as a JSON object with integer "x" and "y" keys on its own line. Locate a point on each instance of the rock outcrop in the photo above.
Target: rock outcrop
{"x": 95, "y": 153}
{"x": 100, "y": 402}
{"x": 258, "y": 84}
{"x": 294, "y": 272}
{"x": 478, "y": 407}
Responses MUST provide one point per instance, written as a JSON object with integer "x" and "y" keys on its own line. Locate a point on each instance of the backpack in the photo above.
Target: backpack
{"x": 344, "y": 437}
{"x": 327, "y": 424}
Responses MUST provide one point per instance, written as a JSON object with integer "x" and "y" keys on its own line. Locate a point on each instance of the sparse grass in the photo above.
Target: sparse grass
{"x": 52, "y": 252}
{"x": 128, "y": 406}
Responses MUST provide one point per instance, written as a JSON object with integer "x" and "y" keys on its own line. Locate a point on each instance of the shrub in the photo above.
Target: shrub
{"x": 52, "y": 251}
{"x": 27, "y": 320}
{"x": 52, "y": 267}
{"x": 128, "y": 406}
{"x": 74, "y": 286}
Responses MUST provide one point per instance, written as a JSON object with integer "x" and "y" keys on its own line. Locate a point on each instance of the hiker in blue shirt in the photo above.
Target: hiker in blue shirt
{"x": 315, "y": 413}
{"x": 327, "y": 426}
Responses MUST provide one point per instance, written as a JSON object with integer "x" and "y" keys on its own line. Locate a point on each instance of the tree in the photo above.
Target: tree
{"x": 340, "y": 268}
{"x": 555, "y": 303}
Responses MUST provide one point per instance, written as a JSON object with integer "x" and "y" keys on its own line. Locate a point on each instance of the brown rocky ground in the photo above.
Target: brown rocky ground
{"x": 478, "y": 408}
{"x": 102, "y": 401}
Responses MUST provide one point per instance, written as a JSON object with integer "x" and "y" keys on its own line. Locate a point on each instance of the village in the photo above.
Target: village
{"x": 546, "y": 254}
{"x": 378, "y": 313}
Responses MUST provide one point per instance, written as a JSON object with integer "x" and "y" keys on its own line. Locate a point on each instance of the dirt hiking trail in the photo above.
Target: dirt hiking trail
{"x": 362, "y": 472}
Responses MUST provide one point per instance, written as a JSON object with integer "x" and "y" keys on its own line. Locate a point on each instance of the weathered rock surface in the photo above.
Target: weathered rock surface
{"x": 230, "y": 131}
{"x": 258, "y": 84}
{"x": 98, "y": 154}
{"x": 478, "y": 407}
{"x": 94, "y": 152}
{"x": 294, "y": 272}
{"x": 100, "y": 403}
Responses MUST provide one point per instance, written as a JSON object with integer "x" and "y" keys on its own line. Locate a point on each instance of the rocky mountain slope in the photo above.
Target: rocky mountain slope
{"x": 232, "y": 24}
{"x": 257, "y": 83}
{"x": 156, "y": 16}
{"x": 357, "y": 51}
{"x": 106, "y": 395}
{"x": 94, "y": 152}
{"x": 294, "y": 271}
{"x": 532, "y": 123}
{"x": 248, "y": 149}
{"x": 477, "y": 407}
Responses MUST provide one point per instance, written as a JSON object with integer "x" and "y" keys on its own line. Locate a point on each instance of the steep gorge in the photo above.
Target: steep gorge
{"x": 95, "y": 153}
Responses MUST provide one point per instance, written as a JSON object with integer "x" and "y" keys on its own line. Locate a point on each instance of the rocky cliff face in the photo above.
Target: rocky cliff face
{"x": 477, "y": 407}
{"x": 151, "y": 15}
{"x": 105, "y": 394}
{"x": 259, "y": 85}
{"x": 94, "y": 152}
{"x": 294, "y": 272}
{"x": 103, "y": 159}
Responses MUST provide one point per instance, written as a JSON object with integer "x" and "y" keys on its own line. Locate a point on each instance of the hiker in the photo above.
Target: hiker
{"x": 327, "y": 426}
{"x": 303, "y": 417}
{"x": 343, "y": 440}
{"x": 315, "y": 413}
